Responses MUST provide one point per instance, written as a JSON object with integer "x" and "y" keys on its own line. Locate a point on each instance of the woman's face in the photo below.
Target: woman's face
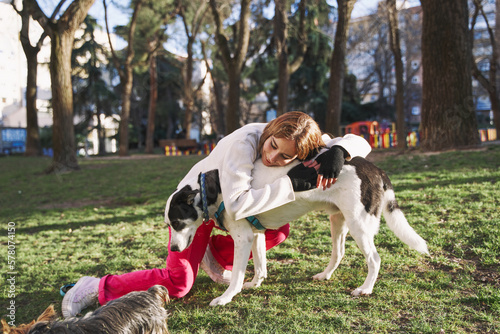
{"x": 278, "y": 151}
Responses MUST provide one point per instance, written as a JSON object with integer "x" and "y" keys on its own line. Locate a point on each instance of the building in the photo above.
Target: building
{"x": 13, "y": 71}
{"x": 370, "y": 60}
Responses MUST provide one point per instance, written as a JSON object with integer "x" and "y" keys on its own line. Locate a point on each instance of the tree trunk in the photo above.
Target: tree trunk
{"x": 63, "y": 131}
{"x": 127, "y": 82}
{"x": 496, "y": 108}
{"x": 396, "y": 51}
{"x": 233, "y": 101}
{"x": 101, "y": 132}
{"x": 281, "y": 35}
{"x": 490, "y": 82}
{"x": 218, "y": 108}
{"x": 188, "y": 90}
{"x": 33, "y": 145}
{"x": 448, "y": 117}
{"x": 285, "y": 68}
{"x": 61, "y": 33}
{"x": 125, "y": 70}
{"x": 337, "y": 68}
{"x": 233, "y": 64}
{"x": 153, "y": 98}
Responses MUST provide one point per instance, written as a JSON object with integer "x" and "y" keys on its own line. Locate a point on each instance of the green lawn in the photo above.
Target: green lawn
{"x": 108, "y": 218}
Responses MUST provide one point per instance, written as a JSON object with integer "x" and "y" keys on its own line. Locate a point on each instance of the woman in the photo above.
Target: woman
{"x": 294, "y": 135}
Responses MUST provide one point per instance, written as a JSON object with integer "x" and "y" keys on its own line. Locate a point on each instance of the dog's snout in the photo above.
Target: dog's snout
{"x": 174, "y": 248}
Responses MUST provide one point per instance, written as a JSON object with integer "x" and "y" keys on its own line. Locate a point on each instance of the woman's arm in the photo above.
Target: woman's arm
{"x": 240, "y": 199}
{"x": 330, "y": 163}
{"x": 355, "y": 145}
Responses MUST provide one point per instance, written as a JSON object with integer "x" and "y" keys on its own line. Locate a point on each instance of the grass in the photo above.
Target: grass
{"x": 108, "y": 218}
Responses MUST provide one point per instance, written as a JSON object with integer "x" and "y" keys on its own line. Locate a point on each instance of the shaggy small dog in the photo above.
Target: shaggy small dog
{"x": 135, "y": 313}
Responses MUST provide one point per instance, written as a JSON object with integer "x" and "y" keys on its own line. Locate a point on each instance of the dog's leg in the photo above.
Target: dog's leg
{"x": 364, "y": 239}
{"x": 259, "y": 260}
{"x": 242, "y": 234}
{"x": 339, "y": 231}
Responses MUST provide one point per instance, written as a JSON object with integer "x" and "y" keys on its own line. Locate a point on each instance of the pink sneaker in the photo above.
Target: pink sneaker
{"x": 84, "y": 294}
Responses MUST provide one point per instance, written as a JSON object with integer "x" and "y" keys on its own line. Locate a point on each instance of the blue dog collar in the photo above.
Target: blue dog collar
{"x": 204, "y": 203}
{"x": 218, "y": 215}
{"x": 252, "y": 219}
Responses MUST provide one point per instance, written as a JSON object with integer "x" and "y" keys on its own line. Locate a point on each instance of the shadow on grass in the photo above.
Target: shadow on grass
{"x": 84, "y": 223}
{"x": 29, "y": 306}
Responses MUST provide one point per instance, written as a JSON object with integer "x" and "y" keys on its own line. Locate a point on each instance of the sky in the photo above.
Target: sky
{"x": 361, "y": 8}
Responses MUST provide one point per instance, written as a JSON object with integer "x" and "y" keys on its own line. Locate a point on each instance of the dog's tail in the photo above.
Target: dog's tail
{"x": 398, "y": 224}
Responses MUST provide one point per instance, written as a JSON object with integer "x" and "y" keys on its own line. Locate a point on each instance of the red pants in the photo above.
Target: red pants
{"x": 181, "y": 268}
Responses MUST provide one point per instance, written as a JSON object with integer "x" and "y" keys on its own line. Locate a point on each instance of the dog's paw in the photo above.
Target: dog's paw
{"x": 360, "y": 291}
{"x": 251, "y": 285}
{"x": 255, "y": 283}
{"x": 219, "y": 301}
{"x": 322, "y": 276}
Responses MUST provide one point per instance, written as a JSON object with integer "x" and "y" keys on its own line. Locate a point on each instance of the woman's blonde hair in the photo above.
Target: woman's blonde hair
{"x": 298, "y": 126}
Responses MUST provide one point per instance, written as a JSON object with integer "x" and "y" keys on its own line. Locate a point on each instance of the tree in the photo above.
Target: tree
{"x": 308, "y": 86}
{"x": 489, "y": 81}
{"x": 150, "y": 35}
{"x": 233, "y": 65}
{"x": 216, "y": 104}
{"x": 285, "y": 68}
{"x": 61, "y": 32}
{"x": 337, "y": 68}
{"x": 93, "y": 96}
{"x": 396, "y": 51}
{"x": 193, "y": 17}
{"x": 448, "y": 117}
{"x": 33, "y": 145}
{"x": 125, "y": 71}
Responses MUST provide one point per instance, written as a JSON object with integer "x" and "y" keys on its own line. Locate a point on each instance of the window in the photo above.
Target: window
{"x": 415, "y": 111}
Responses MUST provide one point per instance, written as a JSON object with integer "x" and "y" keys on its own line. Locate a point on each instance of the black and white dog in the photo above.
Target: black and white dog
{"x": 355, "y": 204}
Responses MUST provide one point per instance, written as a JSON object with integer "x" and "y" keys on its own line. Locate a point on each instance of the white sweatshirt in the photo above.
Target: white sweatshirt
{"x": 234, "y": 157}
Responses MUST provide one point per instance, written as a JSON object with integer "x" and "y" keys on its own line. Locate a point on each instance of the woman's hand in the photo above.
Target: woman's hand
{"x": 328, "y": 164}
{"x": 303, "y": 178}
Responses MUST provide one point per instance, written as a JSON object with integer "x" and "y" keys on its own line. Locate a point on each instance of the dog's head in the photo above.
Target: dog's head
{"x": 184, "y": 216}
{"x": 160, "y": 292}
{"x": 184, "y": 210}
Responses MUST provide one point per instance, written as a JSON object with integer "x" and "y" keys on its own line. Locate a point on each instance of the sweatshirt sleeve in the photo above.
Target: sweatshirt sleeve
{"x": 240, "y": 199}
{"x": 355, "y": 145}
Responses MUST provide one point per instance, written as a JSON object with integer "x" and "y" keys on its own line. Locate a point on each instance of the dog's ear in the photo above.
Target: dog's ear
{"x": 185, "y": 195}
{"x": 48, "y": 315}
{"x": 212, "y": 185}
{"x": 190, "y": 196}
{"x": 5, "y": 327}
{"x": 161, "y": 292}
{"x": 21, "y": 329}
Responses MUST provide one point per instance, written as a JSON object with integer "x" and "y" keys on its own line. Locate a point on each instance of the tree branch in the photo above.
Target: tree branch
{"x": 114, "y": 56}
{"x": 302, "y": 38}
